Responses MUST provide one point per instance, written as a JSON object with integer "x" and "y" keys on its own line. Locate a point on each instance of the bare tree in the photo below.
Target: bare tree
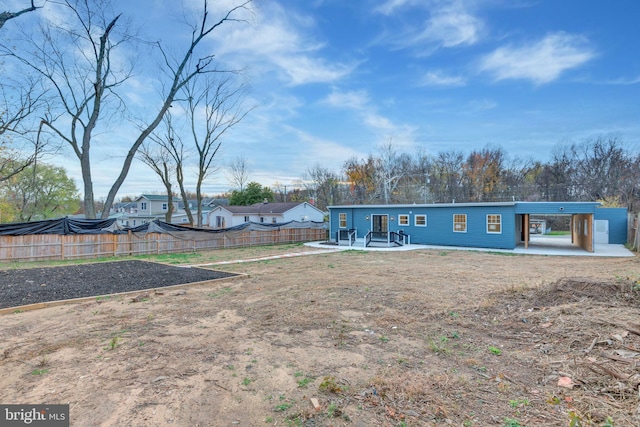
{"x": 78, "y": 60}
{"x": 5, "y": 16}
{"x": 19, "y": 103}
{"x": 157, "y": 155}
{"x": 214, "y": 106}
{"x": 323, "y": 186}
{"x": 388, "y": 170}
{"x": 176, "y": 150}
{"x": 446, "y": 176}
{"x": 238, "y": 172}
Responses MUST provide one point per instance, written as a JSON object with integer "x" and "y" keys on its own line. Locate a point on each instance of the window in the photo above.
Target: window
{"x": 494, "y": 224}
{"x": 343, "y": 220}
{"x": 403, "y": 219}
{"x": 273, "y": 220}
{"x": 459, "y": 223}
{"x": 246, "y": 218}
{"x": 421, "y": 220}
{"x": 164, "y": 206}
{"x": 261, "y": 219}
{"x": 143, "y": 206}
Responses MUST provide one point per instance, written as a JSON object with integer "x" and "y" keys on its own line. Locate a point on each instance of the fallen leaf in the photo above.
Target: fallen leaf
{"x": 565, "y": 382}
{"x": 315, "y": 403}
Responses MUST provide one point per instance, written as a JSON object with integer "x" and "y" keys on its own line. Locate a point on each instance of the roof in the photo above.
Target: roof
{"x": 154, "y": 197}
{"x": 262, "y": 208}
{"x": 536, "y": 208}
{"x": 422, "y": 205}
{"x": 466, "y": 204}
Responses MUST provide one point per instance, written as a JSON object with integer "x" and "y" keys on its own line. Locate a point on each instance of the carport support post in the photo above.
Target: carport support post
{"x": 526, "y": 231}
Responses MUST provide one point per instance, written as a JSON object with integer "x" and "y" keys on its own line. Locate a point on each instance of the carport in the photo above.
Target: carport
{"x": 582, "y": 219}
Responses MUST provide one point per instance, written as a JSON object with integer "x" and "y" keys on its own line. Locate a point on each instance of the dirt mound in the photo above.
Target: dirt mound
{"x": 575, "y": 290}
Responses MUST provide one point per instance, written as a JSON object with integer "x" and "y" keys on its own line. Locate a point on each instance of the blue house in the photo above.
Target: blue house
{"x": 500, "y": 225}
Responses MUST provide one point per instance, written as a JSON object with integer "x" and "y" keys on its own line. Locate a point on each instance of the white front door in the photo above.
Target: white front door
{"x": 601, "y": 231}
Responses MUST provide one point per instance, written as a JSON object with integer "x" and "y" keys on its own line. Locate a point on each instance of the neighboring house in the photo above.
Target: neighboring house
{"x": 149, "y": 207}
{"x": 482, "y": 225}
{"x": 264, "y": 213}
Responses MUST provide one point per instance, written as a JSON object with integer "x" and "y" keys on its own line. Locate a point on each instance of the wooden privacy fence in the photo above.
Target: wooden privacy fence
{"x": 41, "y": 247}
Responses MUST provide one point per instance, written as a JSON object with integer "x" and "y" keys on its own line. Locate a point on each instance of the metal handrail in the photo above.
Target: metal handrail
{"x": 348, "y": 235}
{"x": 367, "y": 239}
{"x": 397, "y": 238}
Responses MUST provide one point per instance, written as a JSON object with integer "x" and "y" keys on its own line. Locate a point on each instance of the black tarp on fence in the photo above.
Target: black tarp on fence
{"x": 67, "y": 226}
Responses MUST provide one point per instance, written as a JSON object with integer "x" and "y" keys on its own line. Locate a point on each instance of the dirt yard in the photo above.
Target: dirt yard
{"x": 422, "y": 338}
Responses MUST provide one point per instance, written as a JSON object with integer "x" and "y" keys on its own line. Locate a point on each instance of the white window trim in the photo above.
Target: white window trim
{"x": 466, "y": 225}
{"x": 499, "y": 223}
{"x": 407, "y": 216}
{"x": 415, "y": 220}
{"x": 340, "y": 220}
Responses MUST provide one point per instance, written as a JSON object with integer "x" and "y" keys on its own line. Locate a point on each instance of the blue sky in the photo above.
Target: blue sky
{"x": 332, "y": 79}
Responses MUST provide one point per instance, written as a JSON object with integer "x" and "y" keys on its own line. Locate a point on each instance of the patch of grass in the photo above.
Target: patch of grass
{"x": 384, "y": 339}
{"x": 438, "y": 347}
{"x": 510, "y": 422}
{"x": 330, "y": 385}
{"x": 179, "y": 258}
{"x": 113, "y": 343}
{"x": 495, "y": 350}
{"x": 354, "y": 252}
{"x": 220, "y": 293}
{"x": 304, "y": 382}
{"x": 516, "y": 403}
{"x": 246, "y": 381}
{"x": 332, "y": 410}
{"x": 282, "y": 407}
{"x": 39, "y": 371}
{"x": 559, "y": 233}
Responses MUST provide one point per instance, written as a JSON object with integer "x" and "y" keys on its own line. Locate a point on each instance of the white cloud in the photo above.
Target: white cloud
{"x": 438, "y": 78}
{"x": 624, "y": 81}
{"x": 366, "y": 111}
{"x": 449, "y": 24}
{"x": 354, "y": 100}
{"x": 452, "y": 26}
{"x": 283, "y": 42}
{"x": 388, "y": 7}
{"x": 541, "y": 62}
